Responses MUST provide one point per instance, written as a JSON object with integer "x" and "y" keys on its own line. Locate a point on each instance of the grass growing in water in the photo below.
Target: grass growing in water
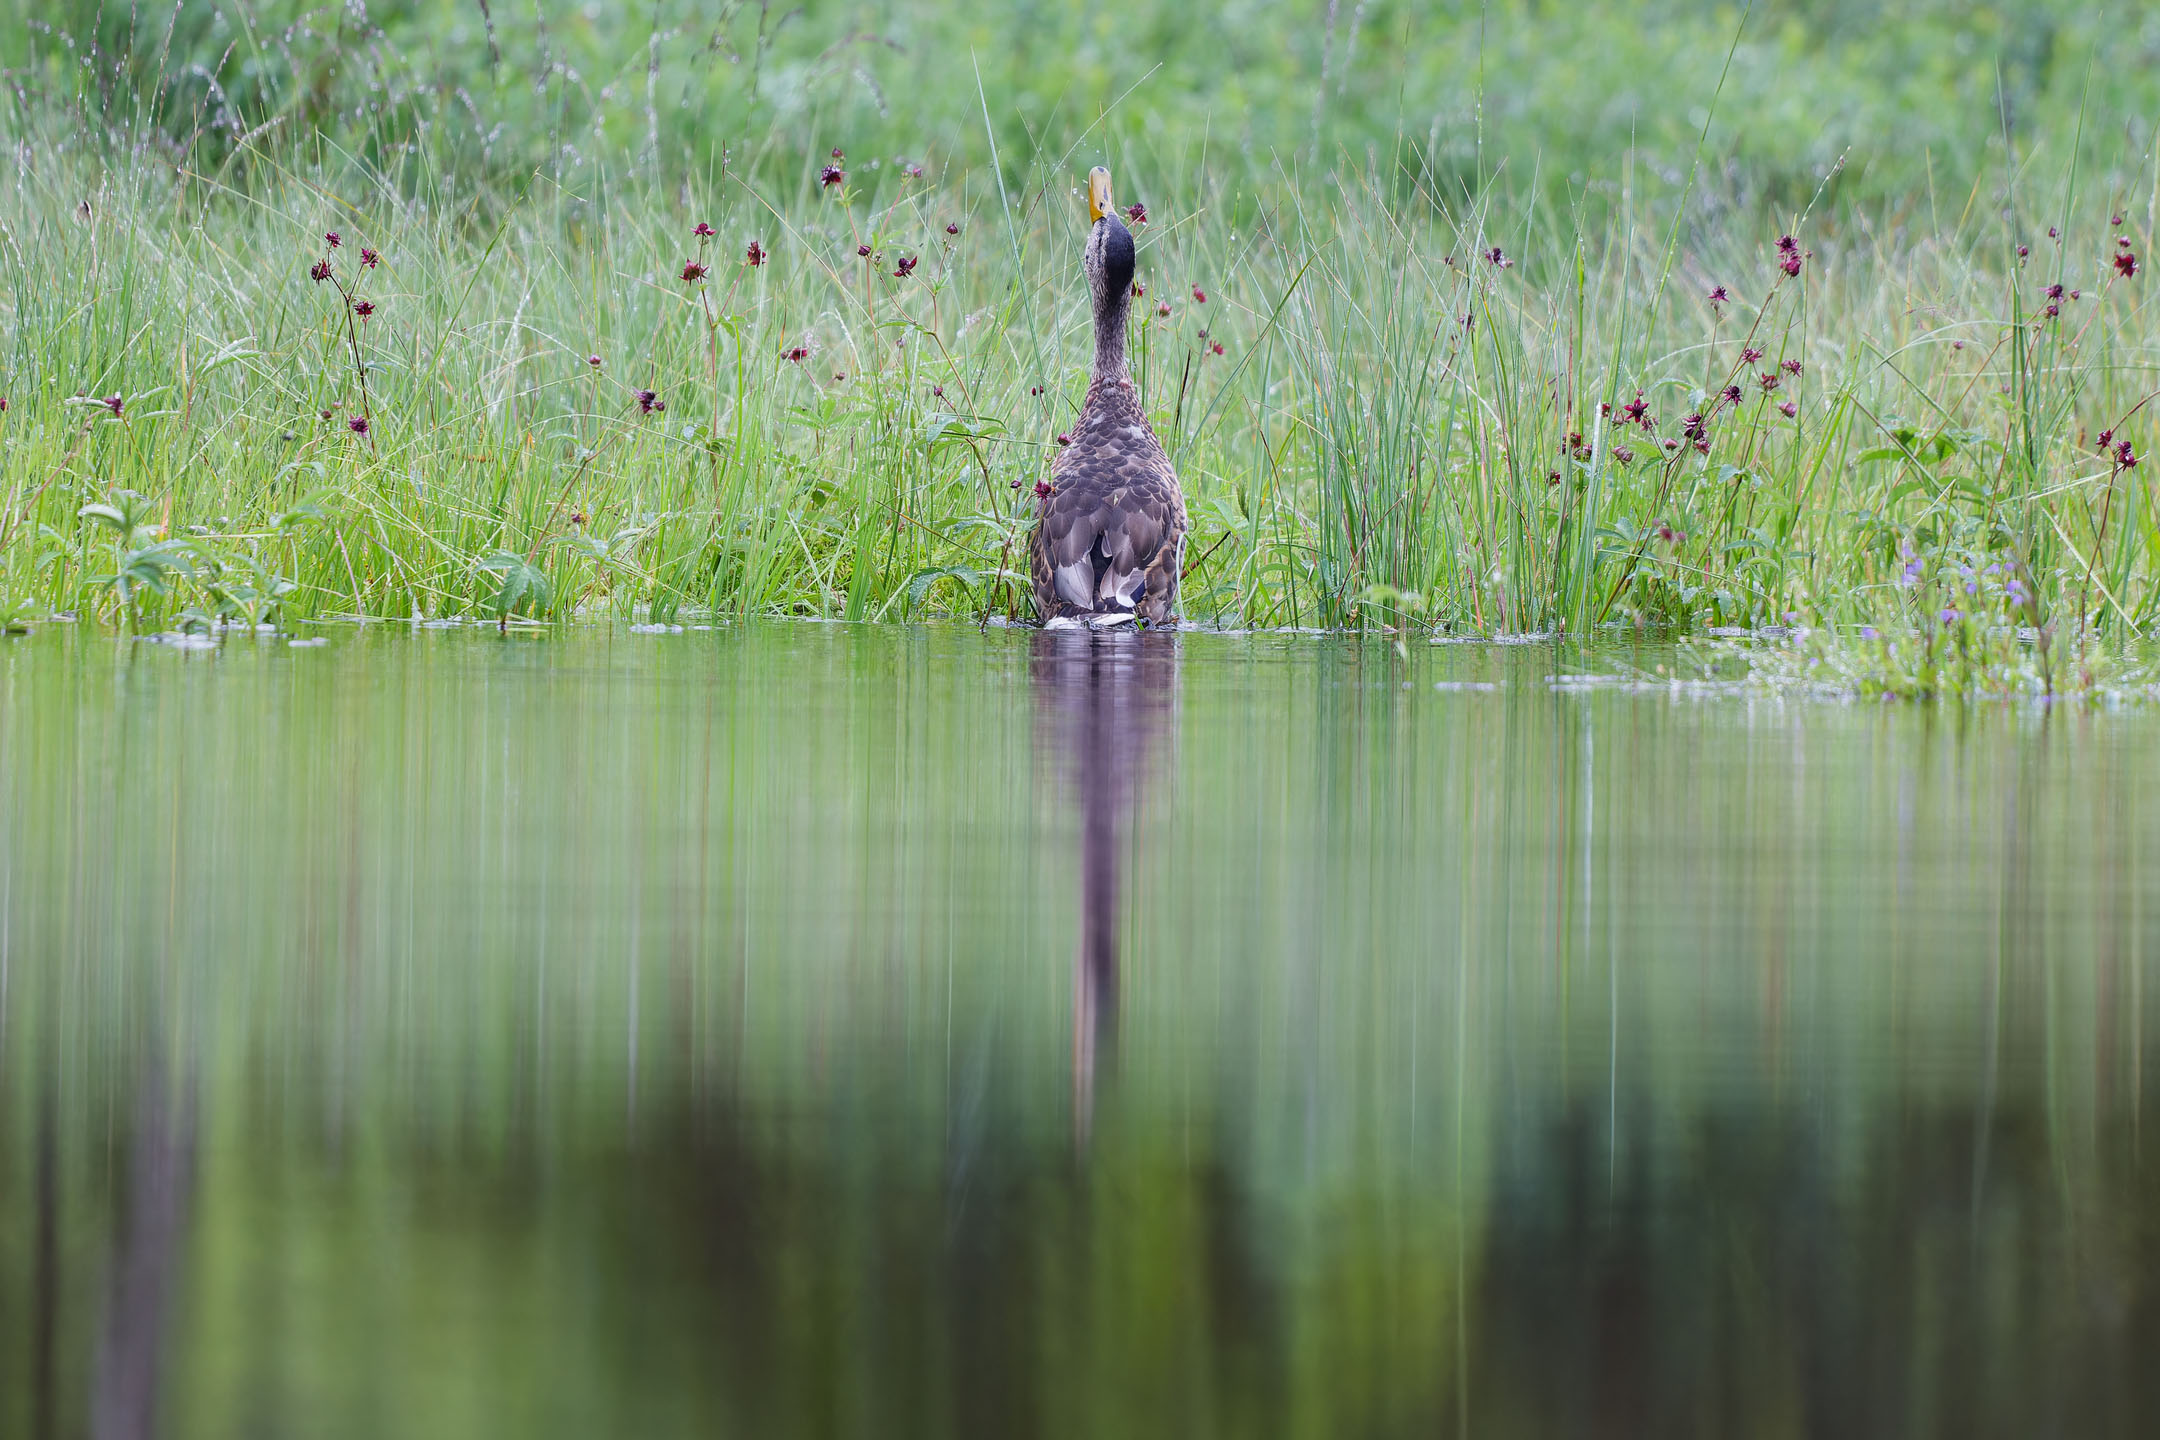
{"x": 1395, "y": 396}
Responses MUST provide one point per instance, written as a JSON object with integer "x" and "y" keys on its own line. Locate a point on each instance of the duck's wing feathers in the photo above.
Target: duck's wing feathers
{"x": 1111, "y": 527}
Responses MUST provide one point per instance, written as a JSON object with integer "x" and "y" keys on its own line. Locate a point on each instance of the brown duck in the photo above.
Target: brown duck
{"x": 1110, "y": 534}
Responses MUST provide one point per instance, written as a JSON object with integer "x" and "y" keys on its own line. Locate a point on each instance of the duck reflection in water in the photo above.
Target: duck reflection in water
{"x": 1103, "y": 703}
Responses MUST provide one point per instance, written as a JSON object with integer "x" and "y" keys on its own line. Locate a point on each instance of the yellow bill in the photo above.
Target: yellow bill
{"x": 1098, "y": 193}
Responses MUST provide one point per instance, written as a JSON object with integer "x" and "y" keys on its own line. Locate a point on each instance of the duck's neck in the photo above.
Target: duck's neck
{"x": 1110, "y": 337}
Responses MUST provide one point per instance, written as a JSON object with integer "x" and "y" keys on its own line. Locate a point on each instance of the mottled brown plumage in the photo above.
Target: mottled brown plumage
{"x": 1109, "y": 537}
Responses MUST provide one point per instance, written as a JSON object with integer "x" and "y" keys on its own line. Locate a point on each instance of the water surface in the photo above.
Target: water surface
{"x": 796, "y": 1029}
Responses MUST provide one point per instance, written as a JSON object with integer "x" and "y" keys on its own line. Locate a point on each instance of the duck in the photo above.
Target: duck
{"x": 1109, "y": 540}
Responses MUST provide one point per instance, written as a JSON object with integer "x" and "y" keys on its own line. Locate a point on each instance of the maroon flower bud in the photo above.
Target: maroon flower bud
{"x": 836, "y": 153}
{"x": 905, "y": 267}
{"x": 938, "y": 391}
{"x": 2116, "y": 221}
{"x": 1137, "y": 213}
{"x": 1750, "y": 355}
{"x": 325, "y": 414}
{"x": 1692, "y": 426}
{"x": 368, "y": 258}
{"x": 796, "y": 353}
{"x": 1042, "y": 488}
{"x": 831, "y": 175}
{"x": 703, "y": 231}
{"x": 1199, "y": 296}
{"x": 1216, "y": 347}
{"x": 1790, "y": 367}
{"x": 913, "y": 172}
{"x": 952, "y": 229}
{"x": 2107, "y": 438}
{"x": 647, "y": 402}
{"x": 2023, "y": 252}
{"x": 1163, "y": 309}
{"x": 863, "y": 250}
{"x": 1495, "y": 257}
{"x": 358, "y": 424}
{"x": 593, "y": 360}
{"x": 1788, "y": 409}
{"x": 693, "y": 271}
{"x": 2052, "y": 311}
{"x": 1769, "y": 381}
{"x": 1064, "y": 439}
{"x": 2125, "y": 456}
{"x": 363, "y": 308}
{"x": 116, "y": 404}
{"x": 1732, "y": 394}
{"x": 334, "y": 239}
{"x": 1624, "y": 455}
{"x": 755, "y": 255}
{"x": 319, "y": 271}
{"x": 1718, "y": 295}
{"x": 1139, "y": 291}
{"x": 2126, "y": 265}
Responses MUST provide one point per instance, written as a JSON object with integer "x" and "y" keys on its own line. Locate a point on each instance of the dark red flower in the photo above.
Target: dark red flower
{"x": 1137, "y": 213}
{"x": 1788, "y": 409}
{"x": 952, "y": 229}
{"x": 2052, "y": 311}
{"x": 319, "y": 271}
{"x": 1750, "y": 355}
{"x": 1692, "y": 426}
{"x": 1042, "y": 488}
{"x": 1216, "y": 347}
{"x": 1732, "y": 394}
{"x": 912, "y": 172}
{"x": 1769, "y": 381}
{"x": 2126, "y": 457}
{"x": 334, "y": 239}
{"x": 2107, "y": 438}
{"x": 325, "y": 414}
{"x": 363, "y": 308}
{"x": 593, "y": 360}
{"x": 832, "y": 175}
{"x": 693, "y": 271}
{"x": 863, "y": 250}
{"x": 647, "y": 402}
{"x": 1139, "y": 291}
{"x": 1718, "y": 295}
{"x": 358, "y": 424}
{"x": 836, "y": 153}
{"x": 1199, "y": 296}
{"x": 905, "y": 267}
{"x": 1787, "y": 245}
{"x": 797, "y": 353}
{"x": 938, "y": 391}
{"x": 368, "y": 258}
{"x": 1790, "y": 367}
{"x": 2126, "y": 264}
{"x": 1790, "y": 265}
{"x": 1163, "y": 309}
{"x": 755, "y": 255}
{"x": 2054, "y": 292}
{"x": 116, "y": 404}
{"x": 703, "y": 231}
{"x": 1497, "y": 258}
{"x": 1636, "y": 411}
{"x": 2116, "y": 221}
{"x": 2023, "y": 252}
{"x": 1064, "y": 439}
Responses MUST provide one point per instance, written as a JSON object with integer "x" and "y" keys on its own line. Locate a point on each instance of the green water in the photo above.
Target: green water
{"x": 796, "y": 1029}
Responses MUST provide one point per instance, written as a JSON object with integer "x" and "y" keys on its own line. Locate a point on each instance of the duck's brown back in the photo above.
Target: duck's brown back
{"x": 1110, "y": 535}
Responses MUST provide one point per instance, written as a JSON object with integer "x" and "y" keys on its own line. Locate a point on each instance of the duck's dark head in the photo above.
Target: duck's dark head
{"x": 1109, "y": 257}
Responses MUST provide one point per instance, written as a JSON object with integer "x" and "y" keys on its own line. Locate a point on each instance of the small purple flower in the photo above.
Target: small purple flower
{"x": 2125, "y": 457}
{"x": 755, "y": 255}
{"x": 693, "y": 271}
{"x": 1718, "y": 296}
{"x": 334, "y": 239}
{"x": 1136, "y": 213}
{"x": 906, "y": 267}
{"x": 1790, "y": 367}
{"x": 2126, "y": 265}
{"x": 593, "y": 360}
{"x": 1951, "y": 615}
{"x": 832, "y": 175}
{"x": 1769, "y": 381}
{"x": 1788, "y": 409}
{"x": 1199, "y": 296}
{"x": 358, "y": 425}
{"x": 703, "y": 231}
{"x": 1750, "y": 355}
{"x": 117, "y": 404}
{"x": 647, "y": 402}
{"x": 2055, "y": 292}
{"x": 319, "y": 271}
{"x": 363, "y": 308}
{"x": 1163, "y": 309}
{"x": 952, "y": 229}
{"x": 1732, "y": 395}
{"x": 1868, "y": 632}
{"x": 1637, "y": 411}
{"x": 368, "y": 258}
{"x": 1495, "y": 257}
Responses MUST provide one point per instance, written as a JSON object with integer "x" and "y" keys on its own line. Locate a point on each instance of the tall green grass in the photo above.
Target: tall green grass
{"x": 1399, "y": 428}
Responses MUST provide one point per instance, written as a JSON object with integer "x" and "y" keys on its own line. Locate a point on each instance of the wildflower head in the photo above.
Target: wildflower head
{"x": 952, "y": 229}
{"x": 1951, "y": 615}
{"x": 319, "y": 271}
{"x": 117, "y": 404}
{"x": 1624, "y": 455}
{"x": 1139, "y": 291}
{"x": 1769, "y": 381}
{"x": 2125, "y": 264}
{"x": 1163, "y": 309}
{"x": 1788, "y": 409}
{"x": 1750, "y": 355}
{"x": 796, "y": 353}
{"x": 693, "y": 271}
{"x": 593, "y": 360}
{"x": 905, "y": 267}
{"x": 1790, "y": 367}
{"x": 1216, "y": 347}
{"x": 1718, "y": 296}
{"x": 2023, "y": 252}
{"x": 358, "y": 424}
{"x": 863, "y": 251}
{"x": 647, "y": 402}
{"x": 1495, "y": 257}
{"x": 1732, "y": 395}
{"x": 2055, "y": 292}
{"x": 832, "y": 175}
{"x": 2125, "y": 457}
{"x": 1064, "y": 439}
{"x": 1199, "y": 296}
{"x": 1692, "y": 426}
{"x": 1042, "y": 488}
{"x": 755, "y": 255}
{"x": 363, "y": 308}
{"x": 703, "y": 231}
{"x": 1136, "y": 213}
{"x": 2107, "y": 440}
{"x": 368, "y": 258}
{"x": 333, "y": 239}
{"x": 911, "y": 172}
{"x": 1637, "y": 411}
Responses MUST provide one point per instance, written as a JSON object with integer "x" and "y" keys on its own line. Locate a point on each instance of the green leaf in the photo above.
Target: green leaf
{"x": 523, "y": 584}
